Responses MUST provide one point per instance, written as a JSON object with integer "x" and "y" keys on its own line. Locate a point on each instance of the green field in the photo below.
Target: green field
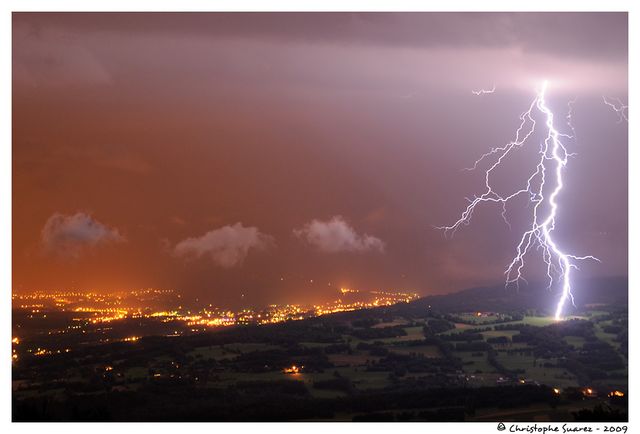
{"x": 474, "y": 319}
{"x": 606, "y": 337}
{"x": 537, "y": 321}
{"x": 395, "y": 322}
{"x": 499, "y": 333}
{"x": 475, "y": 364}
{"x": 459, "y": 327}
{"x": 363, "y": 380}
{"x": 575, "y": 341}
{"x": 540, "y": 373}
{"x": 413, "y": 334}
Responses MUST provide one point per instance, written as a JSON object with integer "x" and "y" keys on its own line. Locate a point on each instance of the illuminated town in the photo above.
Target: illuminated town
{"x": 92, "y": 313}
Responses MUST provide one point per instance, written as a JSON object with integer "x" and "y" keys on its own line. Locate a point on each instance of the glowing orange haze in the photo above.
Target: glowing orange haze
{"x": 164, "y": 129}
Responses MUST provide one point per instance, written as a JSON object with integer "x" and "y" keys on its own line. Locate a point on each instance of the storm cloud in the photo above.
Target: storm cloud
{"x": 227, "y": 246}
{"x": 335, "y": 235}
{"x": 70, "y": 235}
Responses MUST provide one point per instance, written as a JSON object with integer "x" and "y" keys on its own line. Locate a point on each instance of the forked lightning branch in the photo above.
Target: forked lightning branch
{"x": 542, "y": 189}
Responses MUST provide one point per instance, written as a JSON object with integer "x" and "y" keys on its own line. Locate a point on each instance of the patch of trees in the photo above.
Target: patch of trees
{"x": 464, "y": 336}
{"x": 600, "y": 355}
{"x": 516, "y": 326}
{"x": 435, "y": 326}
{"x": 365, "y": 322}
{"x": 547, "y": 341}
{"x": 595, "y": 361}
{"x": 500, "y": 340}
{"x": 574, "y": 327}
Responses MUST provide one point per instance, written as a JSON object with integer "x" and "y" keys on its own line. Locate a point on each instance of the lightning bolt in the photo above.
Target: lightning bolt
{"x": 618, "y": 107}
{"x": 483, "y": 91}
{"x": 570, "y": 117}
{"x": 551, "y": 160}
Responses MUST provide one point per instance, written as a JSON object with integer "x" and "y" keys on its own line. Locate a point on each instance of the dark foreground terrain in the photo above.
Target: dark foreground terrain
{"x": 485, "y": 354}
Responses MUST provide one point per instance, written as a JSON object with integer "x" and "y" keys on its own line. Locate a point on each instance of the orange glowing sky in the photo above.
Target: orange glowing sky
{"x": 279, "y": 155}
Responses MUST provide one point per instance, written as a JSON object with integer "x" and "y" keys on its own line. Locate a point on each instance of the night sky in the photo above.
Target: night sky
{"x": 282, "y": 155}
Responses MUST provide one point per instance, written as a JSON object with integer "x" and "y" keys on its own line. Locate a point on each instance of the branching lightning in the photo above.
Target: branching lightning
{"x": 570, "y": 118}
{"x": 483, "y": 91}
{"x": 542, "y": 189}
{"x": 618, "y": 107}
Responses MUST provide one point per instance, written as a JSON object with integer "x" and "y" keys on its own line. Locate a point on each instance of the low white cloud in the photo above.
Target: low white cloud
{"x": 227, "y": 246}
{"x": 335, "y": 235}
{"x": 70, "y": 235}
